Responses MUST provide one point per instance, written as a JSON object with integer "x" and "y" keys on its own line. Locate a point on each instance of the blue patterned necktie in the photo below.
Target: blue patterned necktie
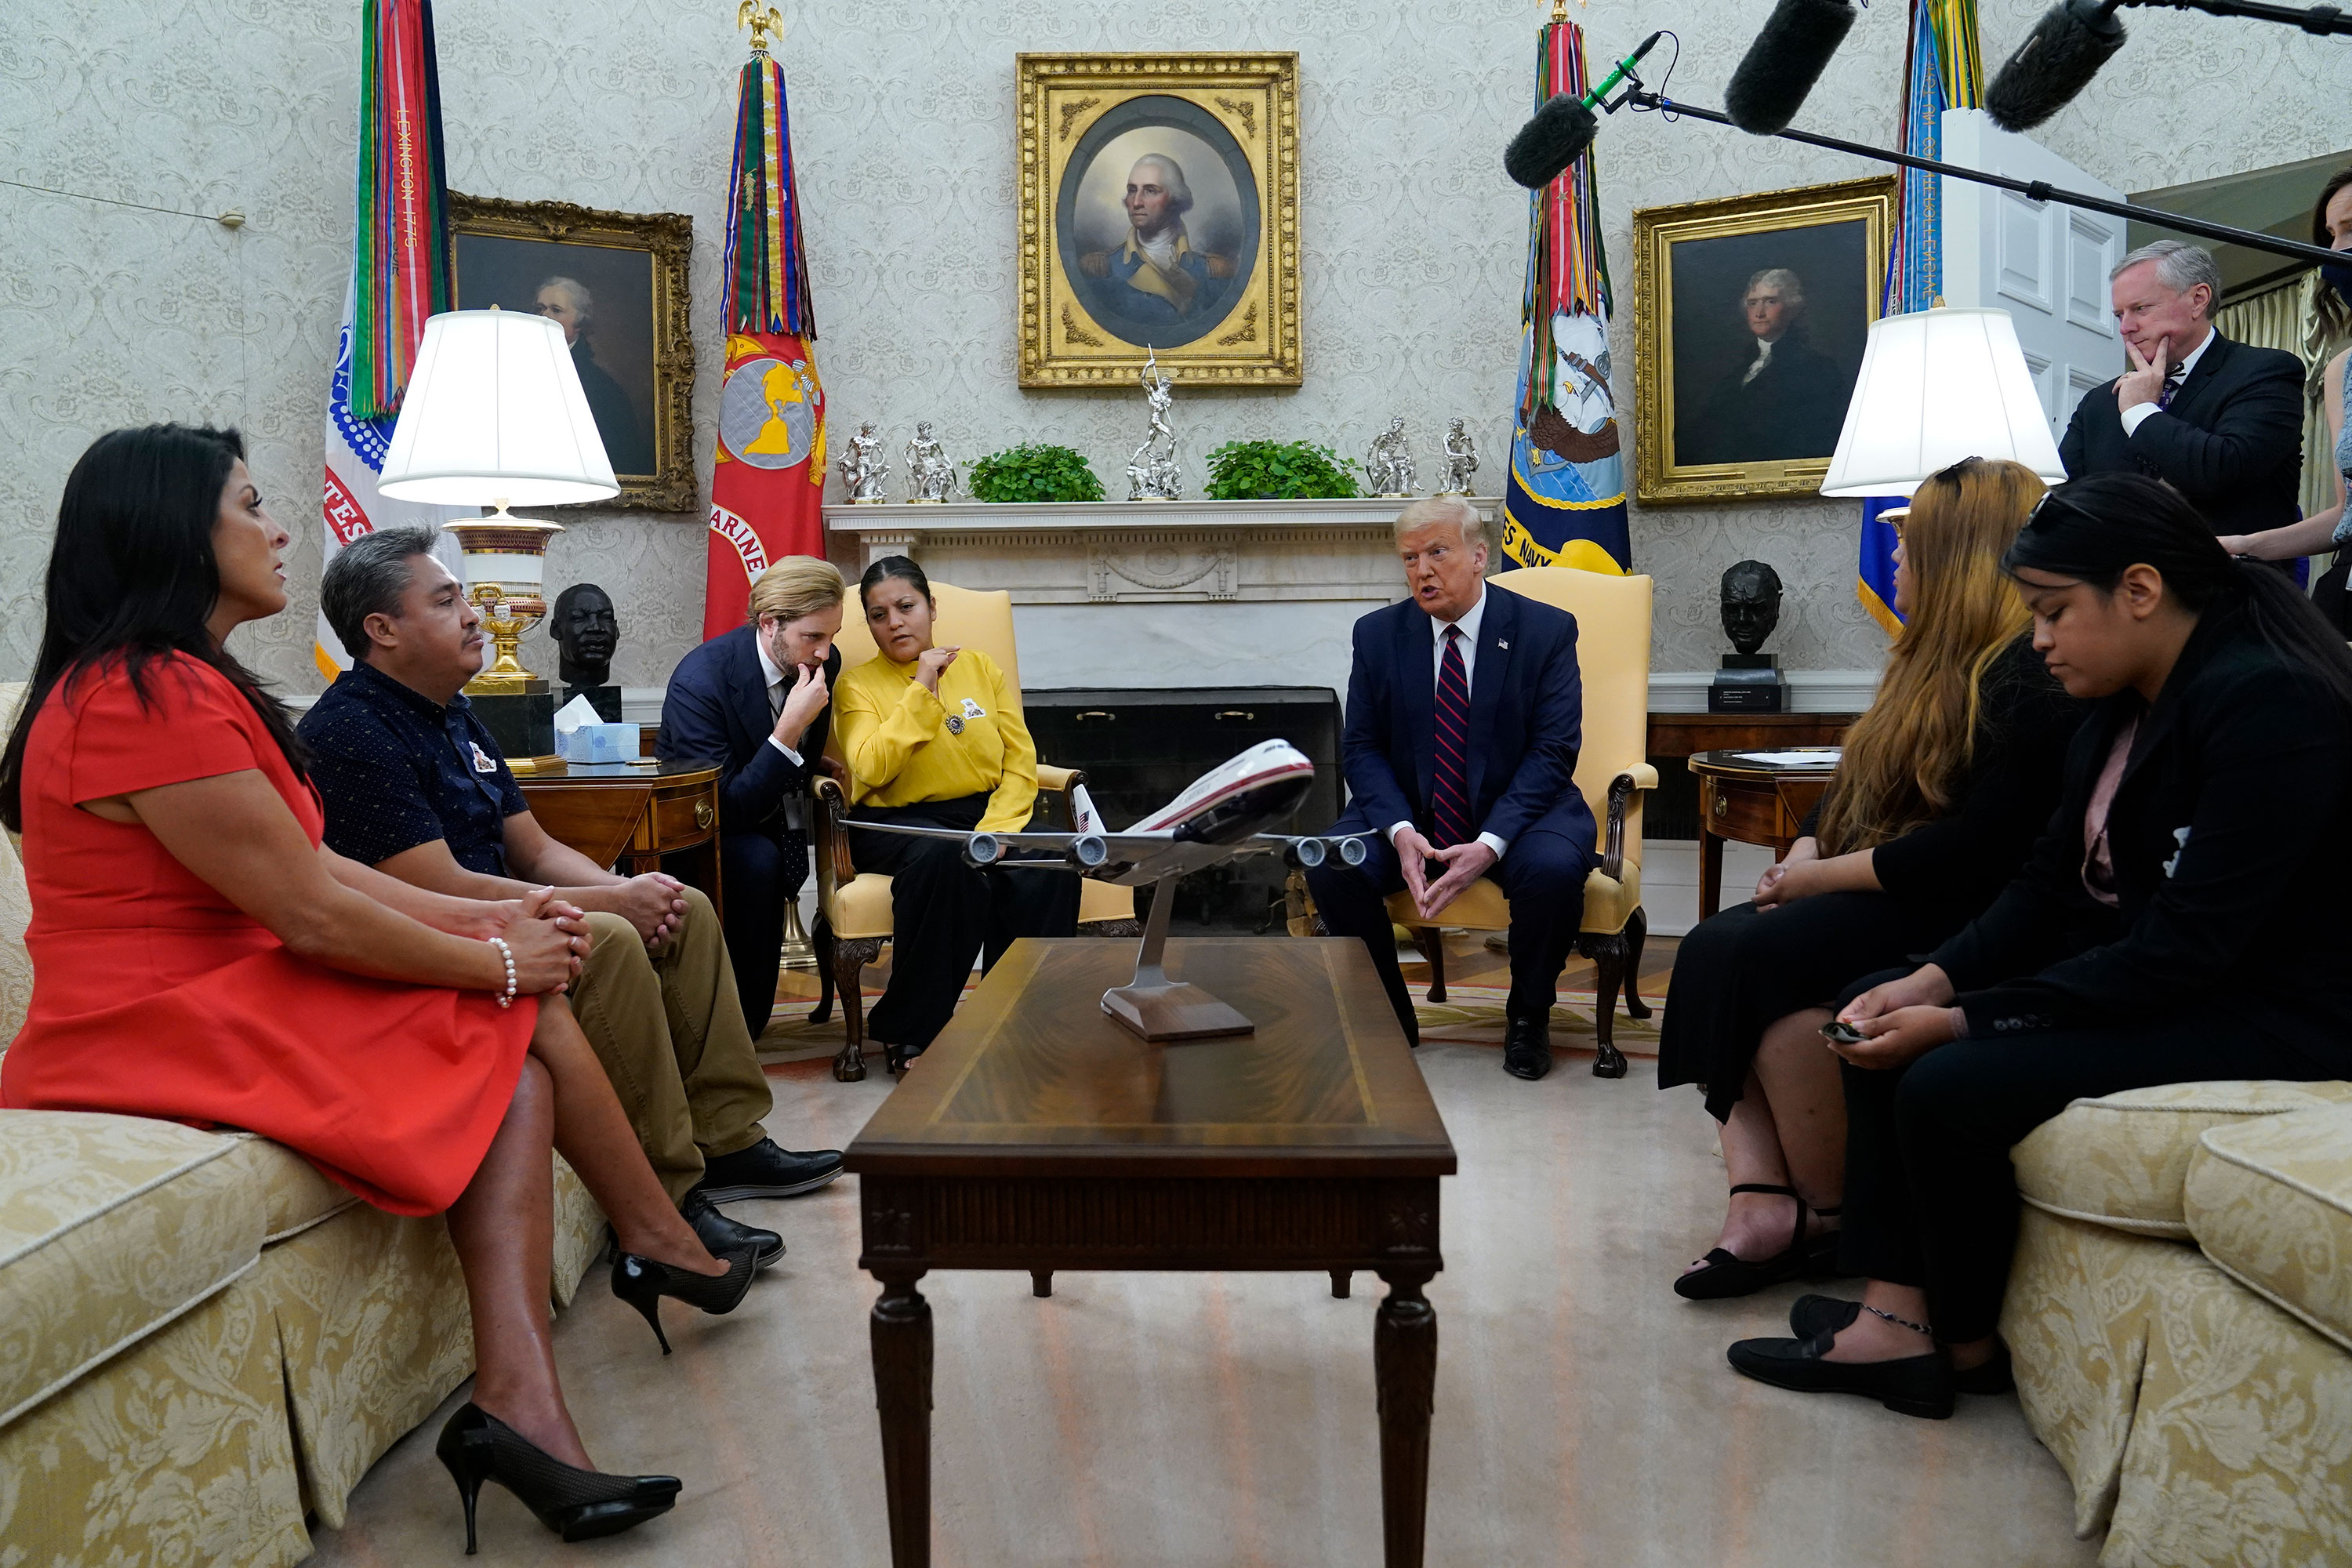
{"x": 1450, "y": 802}
{"x": 2172, "y": 380}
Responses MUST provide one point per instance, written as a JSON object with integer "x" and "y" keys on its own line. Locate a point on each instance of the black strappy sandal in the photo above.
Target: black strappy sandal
{"x": 1723, "y": 1274}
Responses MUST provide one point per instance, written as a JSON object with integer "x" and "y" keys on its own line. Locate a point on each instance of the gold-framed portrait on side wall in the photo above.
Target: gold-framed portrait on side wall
{"x": 1159, "y": 217}
{"x": 1749, "y": 316}
{"x": 616, "y": 283}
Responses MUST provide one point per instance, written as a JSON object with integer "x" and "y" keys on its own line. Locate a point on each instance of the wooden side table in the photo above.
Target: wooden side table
{"x": 1753, "y": 802}
{"x": 1039, "y": 1135}
{"x": 629, "y": 815}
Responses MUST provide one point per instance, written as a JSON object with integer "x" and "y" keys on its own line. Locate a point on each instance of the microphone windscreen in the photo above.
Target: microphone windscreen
{"x": 2056, "y": 61}
{"x": 1547, "y": 144}
{"x": 1787, "y": 58}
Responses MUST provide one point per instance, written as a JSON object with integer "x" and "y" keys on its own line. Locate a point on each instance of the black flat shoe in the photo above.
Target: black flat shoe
{"x": 764, "y": 1170}
{"x": 1527, "y": 1048}
{"x": 1911, "y": 1385}
{"x": 1725, "y": 1274}
{"x": 1995, "y": 1376}
{"x": 1811, "y": 1315}
{"x": 721, "y": 1233}
{"x": 577, "y": 1504}
{"x": 642, "y": 1283}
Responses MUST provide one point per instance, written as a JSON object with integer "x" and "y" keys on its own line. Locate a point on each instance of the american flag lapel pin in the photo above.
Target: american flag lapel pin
{"x": 1503, "y": 645}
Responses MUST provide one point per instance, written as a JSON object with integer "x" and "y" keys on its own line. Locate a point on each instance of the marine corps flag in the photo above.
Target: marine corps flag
{"x": 399, "y": 275}
{"x": 767, "y": 485}
{"x": 1564, "y": 500}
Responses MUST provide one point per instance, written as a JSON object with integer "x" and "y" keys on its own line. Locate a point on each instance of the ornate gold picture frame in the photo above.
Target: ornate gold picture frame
{"x": 1160, "y": 216}
{"x": 1749, "y": 314}
{"x": 617, "y": 282}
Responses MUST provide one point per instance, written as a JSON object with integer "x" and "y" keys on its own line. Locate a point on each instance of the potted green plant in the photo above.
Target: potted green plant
{"x": 1279, "y": 470}
{"x": 1034, "y": 471}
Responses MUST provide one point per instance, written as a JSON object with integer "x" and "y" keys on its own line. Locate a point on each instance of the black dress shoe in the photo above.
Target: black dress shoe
{"x": 1527, "y": 1048}
{"x": 1995, "y": 1376}
{"x": 764, "y": 1170}
{"x": 1911, "y": 1386}
{"x": 1811, "y": 1315}
{"x": 720, "y": 1234}
{"x": 1723, "y": 1273}
{"x": 577, "y": 1504}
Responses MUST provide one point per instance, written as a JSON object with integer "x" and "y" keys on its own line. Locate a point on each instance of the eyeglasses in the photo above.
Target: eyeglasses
{"x": 1951, "y": 475}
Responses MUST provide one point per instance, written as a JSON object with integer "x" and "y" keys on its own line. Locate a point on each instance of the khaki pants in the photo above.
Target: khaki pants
{"x": 668, "y": 1027}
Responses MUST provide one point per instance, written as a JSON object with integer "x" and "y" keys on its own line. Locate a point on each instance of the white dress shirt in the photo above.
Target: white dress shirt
{"x": 778, "y": 687}
{"x": 1469, "y": 624}
{"x": 2177, "y": 378}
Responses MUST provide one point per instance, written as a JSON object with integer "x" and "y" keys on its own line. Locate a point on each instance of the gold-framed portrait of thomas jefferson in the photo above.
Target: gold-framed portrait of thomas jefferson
{"x": 1749, "y": 316}
{"x": 616, "y": 284}
{"x": 1159, "y": 217}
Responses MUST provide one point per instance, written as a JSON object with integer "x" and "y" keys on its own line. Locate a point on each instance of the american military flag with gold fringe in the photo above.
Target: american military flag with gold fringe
{"x": 399, "y": 276}
{"x": 767, "y": 486}
{"x": 1941, "y": 70}
{"x": 1564, "y": 498}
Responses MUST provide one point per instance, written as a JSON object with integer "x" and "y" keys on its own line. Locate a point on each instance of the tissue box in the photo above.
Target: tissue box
{"x": 599, "y": 743}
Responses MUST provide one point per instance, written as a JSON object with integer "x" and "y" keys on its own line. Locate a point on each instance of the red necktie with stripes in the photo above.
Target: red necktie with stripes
{"x": 1450, "y": 800}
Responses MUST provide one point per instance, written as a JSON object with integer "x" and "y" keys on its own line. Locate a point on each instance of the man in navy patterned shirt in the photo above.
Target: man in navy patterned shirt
{"x": 414, "y": 786}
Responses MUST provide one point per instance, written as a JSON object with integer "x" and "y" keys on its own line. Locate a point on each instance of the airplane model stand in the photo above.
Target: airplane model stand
{"x": 1159, "y": 1008}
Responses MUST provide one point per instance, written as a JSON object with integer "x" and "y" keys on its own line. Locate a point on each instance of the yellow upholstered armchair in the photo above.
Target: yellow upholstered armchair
{"x": 1612, "y": 653}
{"x": 853, "y": 906}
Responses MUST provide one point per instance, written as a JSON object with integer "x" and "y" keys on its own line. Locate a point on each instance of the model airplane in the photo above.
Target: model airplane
{"x": 1217, "y": 818}
{"x": 1220, "y": 817}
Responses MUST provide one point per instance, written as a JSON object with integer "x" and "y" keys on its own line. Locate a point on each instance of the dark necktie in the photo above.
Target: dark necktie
{"x": 2172, "y": 381}
{"x": 1450, "y": 802}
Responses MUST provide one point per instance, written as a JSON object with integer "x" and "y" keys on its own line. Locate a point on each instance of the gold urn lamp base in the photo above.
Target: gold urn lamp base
{"x": 506, "y": 569}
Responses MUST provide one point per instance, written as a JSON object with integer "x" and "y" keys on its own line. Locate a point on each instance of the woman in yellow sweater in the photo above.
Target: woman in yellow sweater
{"x": 933, "y": 738}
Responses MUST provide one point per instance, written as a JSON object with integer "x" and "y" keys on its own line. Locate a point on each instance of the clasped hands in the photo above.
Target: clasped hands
{"x": 1901, "y": 1021}
{"x": 1463, "y": 863}
{"x": 548, "y": 937}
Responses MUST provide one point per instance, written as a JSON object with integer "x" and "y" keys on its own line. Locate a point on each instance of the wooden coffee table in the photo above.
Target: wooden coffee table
{"x": 1036, "y": 1134}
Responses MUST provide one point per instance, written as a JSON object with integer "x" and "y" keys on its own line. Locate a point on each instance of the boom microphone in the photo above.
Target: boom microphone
{"x": 1564, "y": 127}
{"x": 1782, "y": 66}
{"x": 2056, "y": 61}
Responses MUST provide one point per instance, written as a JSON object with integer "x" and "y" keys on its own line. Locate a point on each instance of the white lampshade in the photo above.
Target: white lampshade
{"x": 1937, "y": 386}
{"x": 494, "y": 415}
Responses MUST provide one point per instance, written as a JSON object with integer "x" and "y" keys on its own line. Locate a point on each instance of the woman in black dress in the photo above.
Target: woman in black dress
{"x": 1944, "y": 785}
{"x": 2202, "y": 814}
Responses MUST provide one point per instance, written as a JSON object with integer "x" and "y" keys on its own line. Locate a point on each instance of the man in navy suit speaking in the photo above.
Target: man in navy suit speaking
{"x": 756, "y": 702}
{"x": 1464, "y": 715}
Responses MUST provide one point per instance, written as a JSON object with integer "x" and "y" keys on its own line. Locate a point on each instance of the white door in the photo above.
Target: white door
{"x": 2043, "y": 262}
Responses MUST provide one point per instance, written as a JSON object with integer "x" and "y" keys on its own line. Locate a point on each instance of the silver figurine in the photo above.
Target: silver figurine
{"x": 1388, "y": 462}
{"x": 1152, "y": 474}
{"x": 864, "y": 467}
{"x": 930, "y": 473}
{"x": 1461, "y": 461}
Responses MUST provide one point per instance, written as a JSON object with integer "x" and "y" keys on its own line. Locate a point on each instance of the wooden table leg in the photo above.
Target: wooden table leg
{"x": 902, "y": 1385}
{"x": 1404, "y": 1365}
{"x": 1710, "y": 872}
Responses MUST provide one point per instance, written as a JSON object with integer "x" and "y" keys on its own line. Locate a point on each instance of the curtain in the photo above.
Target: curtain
{"x": 2282, "y": 317}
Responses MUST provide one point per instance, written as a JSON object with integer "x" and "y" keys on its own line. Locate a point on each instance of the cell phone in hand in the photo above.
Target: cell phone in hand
{"x": 1842, "y": 1033}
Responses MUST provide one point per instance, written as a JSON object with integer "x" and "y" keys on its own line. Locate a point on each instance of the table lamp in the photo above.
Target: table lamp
{"x": 494, "y": 416}
{"x": 1937, "y": 386}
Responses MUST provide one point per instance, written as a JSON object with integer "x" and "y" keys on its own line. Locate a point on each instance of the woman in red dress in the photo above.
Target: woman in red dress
{"x": 198, "y": 954}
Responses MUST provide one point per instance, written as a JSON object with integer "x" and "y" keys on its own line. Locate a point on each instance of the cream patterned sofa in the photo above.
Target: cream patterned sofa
{"x": 2180, "y": 1315}
{"x": 203, "y": 1341}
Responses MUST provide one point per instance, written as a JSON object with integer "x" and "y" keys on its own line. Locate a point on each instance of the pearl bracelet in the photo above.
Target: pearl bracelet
{"x": 507, "y": 1000}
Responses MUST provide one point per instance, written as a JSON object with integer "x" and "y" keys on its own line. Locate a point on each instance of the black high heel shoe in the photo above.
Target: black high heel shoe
{"x": 642, "y": 1283}
{"x": 577, "y": 1504}
{"x": 1723, "y": 1273}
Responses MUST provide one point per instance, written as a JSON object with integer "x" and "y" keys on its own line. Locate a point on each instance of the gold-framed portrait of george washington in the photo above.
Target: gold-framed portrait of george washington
{"x": 1159, "y": 217}
{"x": 1749, "y": 316}
{"x": 616, "y": 284}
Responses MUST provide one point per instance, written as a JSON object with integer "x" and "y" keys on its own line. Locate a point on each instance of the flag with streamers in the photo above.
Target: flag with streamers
{"x": 399, "y": 276}
{"x": 1941, "y": 70}
{"x": 1564, "y": 498}
{"x": 767, "y": 486}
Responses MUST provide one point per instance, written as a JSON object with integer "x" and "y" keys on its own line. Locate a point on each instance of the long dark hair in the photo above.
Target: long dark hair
{"x": 891, "y": 566}
{"x": 2094, "y": 528}
{"x": 131, "y": 574}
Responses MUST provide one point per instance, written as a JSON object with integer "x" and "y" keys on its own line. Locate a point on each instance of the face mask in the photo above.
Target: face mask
{"x": 2338, "y": 275}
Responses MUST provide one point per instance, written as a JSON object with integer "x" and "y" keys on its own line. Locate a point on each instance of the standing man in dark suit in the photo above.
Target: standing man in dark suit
{"x": 1464, "y": 715}
{"x": 755, "y": 702}
{"x": 2221, "y": 422}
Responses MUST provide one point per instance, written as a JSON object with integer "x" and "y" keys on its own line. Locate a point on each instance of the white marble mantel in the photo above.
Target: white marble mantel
{"x": 1148, "y": 594}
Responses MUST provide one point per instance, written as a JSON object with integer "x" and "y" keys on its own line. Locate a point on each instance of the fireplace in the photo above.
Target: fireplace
{"x": 1141, "y": 746}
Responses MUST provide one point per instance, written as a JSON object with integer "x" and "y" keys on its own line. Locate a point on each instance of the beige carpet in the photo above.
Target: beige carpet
{"x": 1584, "y": 1413}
